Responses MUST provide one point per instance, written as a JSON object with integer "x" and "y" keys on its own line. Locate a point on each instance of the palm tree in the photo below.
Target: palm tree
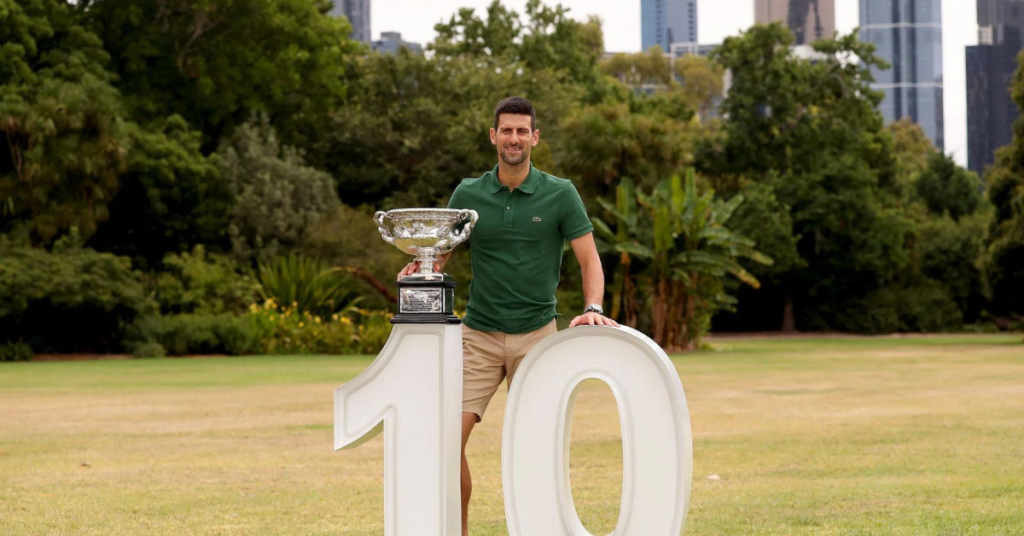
{"x": 686, "y": 252}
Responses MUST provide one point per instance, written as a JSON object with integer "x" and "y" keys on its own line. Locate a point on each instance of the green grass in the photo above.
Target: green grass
{"x": 844, "y": 436}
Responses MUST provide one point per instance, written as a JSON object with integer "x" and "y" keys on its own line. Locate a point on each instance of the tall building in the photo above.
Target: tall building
{"x": 809, "y": 20}
{"x": 358, "y": 14}
{"x": 392, "y": 42}
{"x": 908, "y": 35}
{"x": 664, "y": 22}
{"x": 990, "y": 67}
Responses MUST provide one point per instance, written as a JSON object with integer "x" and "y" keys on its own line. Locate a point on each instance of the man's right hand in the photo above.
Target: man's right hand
{"x": 414, "y": 267}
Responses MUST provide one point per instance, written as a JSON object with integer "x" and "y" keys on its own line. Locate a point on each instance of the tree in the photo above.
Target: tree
{"x": 599, "y": 145}
{"x": 695, "y": 81}
{"x": 548, "y": 40}
{"x": 216, "y": 62}
{"x": 911, "y": 150}
{"x": 417, "y": 126}
{"x": 810, "y": 132}
{"x": 649, "y": 69}
{"x": 687, "y": 249}
{"x": 64, "y": 137}
{"x": 171, "y": 197}
{"x": 946, "y": 188}
{"x": 277, "y": 197}
{"x": 702, "y": 82}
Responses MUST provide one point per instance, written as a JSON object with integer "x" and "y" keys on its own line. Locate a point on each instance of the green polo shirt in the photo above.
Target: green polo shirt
{"x": 517, "y": 248}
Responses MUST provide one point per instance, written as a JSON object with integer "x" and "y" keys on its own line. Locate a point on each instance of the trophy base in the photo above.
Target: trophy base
{"x": 426, "y": 299}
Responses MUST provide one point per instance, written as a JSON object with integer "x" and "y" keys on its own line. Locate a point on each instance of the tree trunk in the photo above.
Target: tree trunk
{"x": 691, "y": 339}
{"x": 660, "y": 318}
{"x": 788, "y": 321}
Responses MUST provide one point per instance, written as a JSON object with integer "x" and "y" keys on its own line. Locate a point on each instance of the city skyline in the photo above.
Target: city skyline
{"x": 908, "y": 35}
{"x": 716, "y": 20}
{"x": 358, "y": 13}
{"x": 990, "y": 67}
{"x": 666, "y": 22}
{"x": 809, "y": 20}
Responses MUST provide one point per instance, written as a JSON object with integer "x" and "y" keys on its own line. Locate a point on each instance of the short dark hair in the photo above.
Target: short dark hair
{"x": 517, "y": 106}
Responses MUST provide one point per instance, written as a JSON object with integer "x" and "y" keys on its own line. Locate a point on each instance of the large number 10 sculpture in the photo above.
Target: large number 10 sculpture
{"x": 414, "y": 388}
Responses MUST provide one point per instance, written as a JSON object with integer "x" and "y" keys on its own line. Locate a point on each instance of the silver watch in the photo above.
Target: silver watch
{"x": 595, "y": 308}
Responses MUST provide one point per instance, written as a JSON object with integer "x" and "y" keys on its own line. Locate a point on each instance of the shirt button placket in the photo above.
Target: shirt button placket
{"x": 510, "y": 204}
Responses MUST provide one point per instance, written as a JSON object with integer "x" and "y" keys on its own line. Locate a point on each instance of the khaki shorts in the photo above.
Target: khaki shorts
{"x": 489, "y": 357}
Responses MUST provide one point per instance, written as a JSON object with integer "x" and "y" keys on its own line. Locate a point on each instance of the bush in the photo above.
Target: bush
{"x": 72, "y": 299}
{"x": 284, "y": 330}
{"x": 277, "y": 196}
{"x": 201, "y": 282}
{"x": 149, "y": 349}
{"x": 196, "y": 334}
{"x": 307, "y": 284}
{"x": 373, "y": 331}
{"x": 925, "y": 307}
{"x": 16, "y": 351}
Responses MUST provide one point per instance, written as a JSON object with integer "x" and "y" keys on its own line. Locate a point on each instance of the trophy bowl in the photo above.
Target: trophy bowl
{"x": 426, "y": 232}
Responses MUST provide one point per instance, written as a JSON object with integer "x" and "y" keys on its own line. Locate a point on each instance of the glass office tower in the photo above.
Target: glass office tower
{"x": 809, "y": 20}
{"x": 990, "y": 67}
{"x": 664, "y": 22}
{"x": 908, "y": 35}
{"x": 358, "y": 14}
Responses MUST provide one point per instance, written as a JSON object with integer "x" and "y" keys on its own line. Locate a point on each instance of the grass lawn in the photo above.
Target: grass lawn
{"x": 872, "y": 436}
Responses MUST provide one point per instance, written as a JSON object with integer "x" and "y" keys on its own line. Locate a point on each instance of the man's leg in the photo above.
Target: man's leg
{"x": 483, "y": 368}
{"x": 468, "y": 421}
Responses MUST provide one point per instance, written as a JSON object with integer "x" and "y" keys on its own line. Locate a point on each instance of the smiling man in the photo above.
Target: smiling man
{"x": 526, "y": 216}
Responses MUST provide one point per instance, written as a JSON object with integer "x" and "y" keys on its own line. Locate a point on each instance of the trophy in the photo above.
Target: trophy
{"x": 426, "y": 296}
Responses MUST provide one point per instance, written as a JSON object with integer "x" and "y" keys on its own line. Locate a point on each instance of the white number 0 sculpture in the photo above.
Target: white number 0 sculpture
{"x": 415, "y": 387}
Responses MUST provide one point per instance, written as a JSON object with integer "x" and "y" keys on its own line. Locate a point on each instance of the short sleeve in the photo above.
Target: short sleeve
{"x": 574, "y": 222}
{"x": 456, "y": 200}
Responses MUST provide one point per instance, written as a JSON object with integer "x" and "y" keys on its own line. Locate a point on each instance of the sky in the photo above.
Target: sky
{"x": 716, "y": 19}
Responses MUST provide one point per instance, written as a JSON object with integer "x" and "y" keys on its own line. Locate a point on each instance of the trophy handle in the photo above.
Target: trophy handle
{"x": 385, "y": 233}
{"x": 464, "y": 232}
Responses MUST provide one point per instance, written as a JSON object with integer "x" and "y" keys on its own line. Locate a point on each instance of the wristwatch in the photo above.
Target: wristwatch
{"x": 595, "y": 308}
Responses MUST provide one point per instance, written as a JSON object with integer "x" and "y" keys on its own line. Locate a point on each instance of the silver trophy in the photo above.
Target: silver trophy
{"x": 426, "y": 296}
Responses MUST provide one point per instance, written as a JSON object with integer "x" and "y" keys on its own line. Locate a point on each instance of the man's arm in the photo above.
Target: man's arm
{"x": 593, "y": 280}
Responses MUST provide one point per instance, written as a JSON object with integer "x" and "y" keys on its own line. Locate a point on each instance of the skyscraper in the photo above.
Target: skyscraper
{"x": 908, "y": 35}
{"x": 664, "y": 22}
{"x": 358, "y": 14}
{"x": 809, "y": 20}
{"x": 990, "y": 67}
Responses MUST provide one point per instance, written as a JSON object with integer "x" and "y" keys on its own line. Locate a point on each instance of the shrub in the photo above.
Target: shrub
{"x": 149, "y": 349}
{"x": 201, "y": 282}
{"x": 194, "y": 334}
{"x": 277, "y": 196}
{"x": 373, "y": 331}
{"x": 15, "y": 351}
{"x": 307, "y": 284}
{"x": 925, "y": 307}
{"x": 284, "y": 330}
{"x": 70, "y": 299}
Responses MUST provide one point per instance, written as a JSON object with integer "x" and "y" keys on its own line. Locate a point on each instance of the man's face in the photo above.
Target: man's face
{"x": 514, "y": 138}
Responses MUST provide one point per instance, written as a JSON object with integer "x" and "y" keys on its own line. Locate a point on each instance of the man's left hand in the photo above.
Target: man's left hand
{"x": 593, "y": 319}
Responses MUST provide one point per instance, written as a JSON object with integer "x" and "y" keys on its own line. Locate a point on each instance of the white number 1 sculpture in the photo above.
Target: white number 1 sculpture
{"x": 415, "y": 387}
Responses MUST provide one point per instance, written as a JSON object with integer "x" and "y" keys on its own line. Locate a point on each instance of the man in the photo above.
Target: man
{"x": 525, "y": 218}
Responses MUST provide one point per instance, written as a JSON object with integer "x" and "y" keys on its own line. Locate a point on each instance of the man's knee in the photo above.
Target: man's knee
{"x": 469, "y": 420}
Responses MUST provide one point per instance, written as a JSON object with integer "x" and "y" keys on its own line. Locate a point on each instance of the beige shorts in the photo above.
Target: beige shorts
{"x": 489, "y": 357}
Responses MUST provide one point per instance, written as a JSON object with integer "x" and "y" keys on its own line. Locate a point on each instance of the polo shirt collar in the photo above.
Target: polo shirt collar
{"x": 528, "y": 186}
